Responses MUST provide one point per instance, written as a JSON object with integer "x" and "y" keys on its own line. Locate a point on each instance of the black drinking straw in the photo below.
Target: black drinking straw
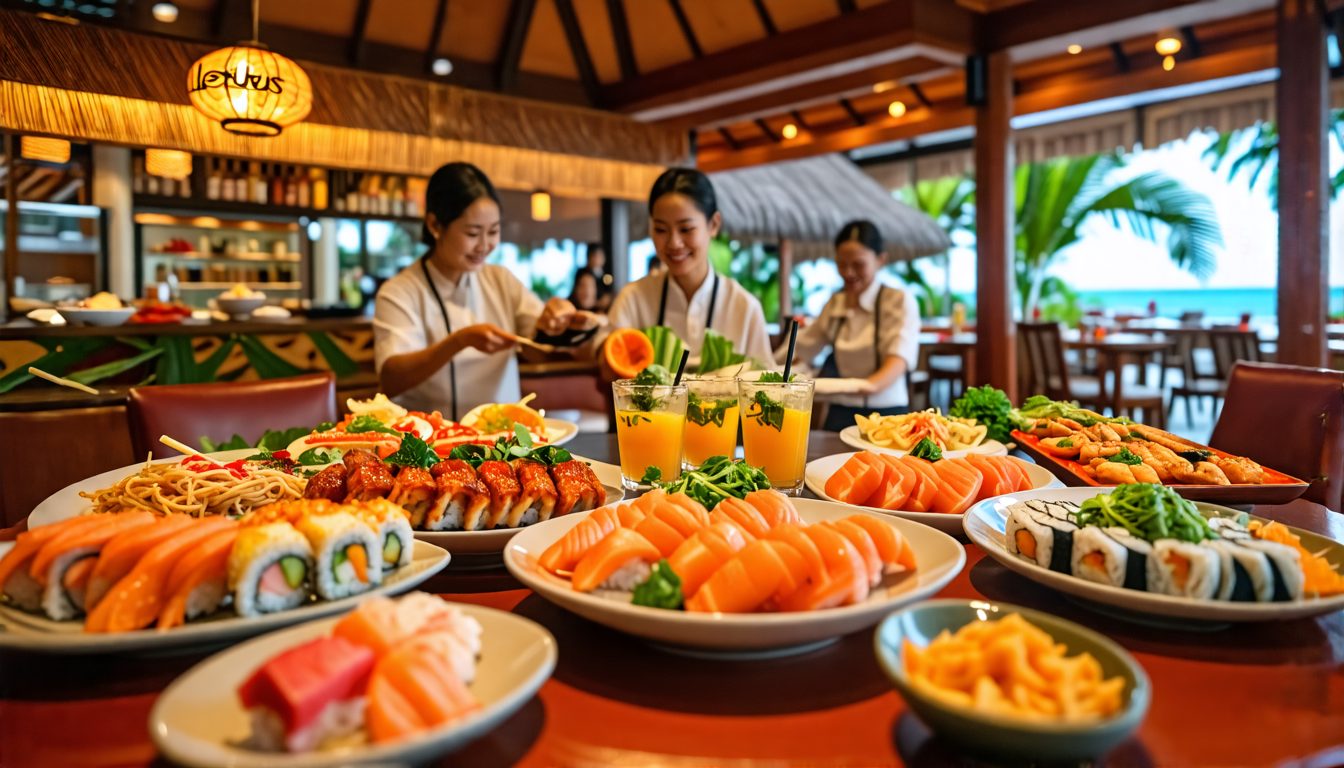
{"x": 793, "y": 338}
{"x": 685, "y": 355}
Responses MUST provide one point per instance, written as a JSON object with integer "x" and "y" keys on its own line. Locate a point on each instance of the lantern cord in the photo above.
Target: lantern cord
{"x": 256, "y": 19}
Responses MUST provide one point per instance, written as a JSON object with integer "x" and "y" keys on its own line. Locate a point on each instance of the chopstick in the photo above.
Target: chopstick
{"x": 548, "y": 349}
{"x": 54, "y": 379}
{"x": 185, "y": 450}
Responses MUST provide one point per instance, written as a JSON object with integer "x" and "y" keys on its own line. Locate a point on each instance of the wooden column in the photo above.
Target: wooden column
{"x": 11, "y": 261}
{"x": 616, "y": 239}
{"x": 996, "y": 348}
{"x": 1304, "y": 234}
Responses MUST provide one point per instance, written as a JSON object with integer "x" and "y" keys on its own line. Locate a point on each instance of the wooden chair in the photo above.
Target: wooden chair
{"x": 1130, "y": 398}
{"x": 1230, "y": 345}
{"x": 1289, "y": 418}
{"x": 221, "y": 410}
{"x": 1044, "y": 370}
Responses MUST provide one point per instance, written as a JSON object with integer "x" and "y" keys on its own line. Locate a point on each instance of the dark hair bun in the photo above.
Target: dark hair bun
{"x": 863, "y": 232}
{"x": 451, "y": 191}
{"x": 688, "y": 182}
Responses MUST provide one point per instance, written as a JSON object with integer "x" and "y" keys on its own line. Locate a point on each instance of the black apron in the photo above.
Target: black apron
{"x": 713, "y": 299}
{"x": 452, "y": 366}
{"x": 840, "y": 416}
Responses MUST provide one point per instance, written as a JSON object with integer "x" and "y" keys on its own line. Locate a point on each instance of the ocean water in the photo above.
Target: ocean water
{"x": 1226, "y": 303}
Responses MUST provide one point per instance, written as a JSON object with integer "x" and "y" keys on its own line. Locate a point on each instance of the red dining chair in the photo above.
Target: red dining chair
{"x": 1289, "y": 418}
{"x": 218, "y": 411}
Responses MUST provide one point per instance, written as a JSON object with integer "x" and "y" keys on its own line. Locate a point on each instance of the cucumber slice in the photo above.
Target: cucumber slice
{"x": 338, "y": 558}
{"x": 295, "y": 569}
{"x": 391, "y": 550}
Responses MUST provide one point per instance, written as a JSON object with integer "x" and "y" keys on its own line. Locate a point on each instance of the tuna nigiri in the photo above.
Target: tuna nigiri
{"x": 308, "y": 694}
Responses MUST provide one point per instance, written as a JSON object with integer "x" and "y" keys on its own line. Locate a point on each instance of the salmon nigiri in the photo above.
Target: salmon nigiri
{"x": 847, "y": 575}
{"x": 720, "y": 517}
{"x": 564, "y": 554}
{"x": 411, "y": 691}
{"x": 745, "y": 515}
{"x": 774, "y": 506}
{"x": 755, "y": 575}
{"x": 15, "y": 579}
{"x": 122, "y": 552}
{"x": 199, "y": 580}
{"x": 793, "y": 535}
{"x": 862, "y": 542}
{"x": 64, "y": 565}
{"x": 892, "y": 547}
{"x": 704, "y": 553}
{"x": 689, "y": 504}
{"x": 621, "y": 560}
{"x": 136, "y": 600}
{"x": 661, "y": 535}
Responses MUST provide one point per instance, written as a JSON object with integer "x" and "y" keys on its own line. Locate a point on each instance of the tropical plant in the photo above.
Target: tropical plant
{"x": 756, "y": 269}
{"x": 1056, "y": 198}
{"x": 950, "y": 202}
{"x": 1254, "y": 151}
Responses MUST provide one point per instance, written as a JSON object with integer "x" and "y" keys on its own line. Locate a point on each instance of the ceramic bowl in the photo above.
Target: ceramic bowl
{"x": 78, "y": 316}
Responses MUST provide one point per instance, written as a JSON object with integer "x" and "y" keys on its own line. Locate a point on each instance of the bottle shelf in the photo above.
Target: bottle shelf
{"x": 246, "y": 257}
{"x": 224, "y": 286}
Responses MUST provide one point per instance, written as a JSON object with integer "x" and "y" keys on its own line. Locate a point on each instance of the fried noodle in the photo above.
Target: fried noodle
{"x": 173, "y": 488}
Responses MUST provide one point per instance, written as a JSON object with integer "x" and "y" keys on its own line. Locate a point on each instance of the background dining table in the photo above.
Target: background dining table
{"x": 1247, "y": 694}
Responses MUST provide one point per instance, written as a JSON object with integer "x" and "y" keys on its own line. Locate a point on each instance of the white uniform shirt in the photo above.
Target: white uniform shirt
{"x": 737, "y": 314}
{"x": 850, "y": 332}
{"x": 406, "y": 318}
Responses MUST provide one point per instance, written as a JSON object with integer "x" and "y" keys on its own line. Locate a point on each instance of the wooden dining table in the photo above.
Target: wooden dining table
{"x": 1239, "y": 695}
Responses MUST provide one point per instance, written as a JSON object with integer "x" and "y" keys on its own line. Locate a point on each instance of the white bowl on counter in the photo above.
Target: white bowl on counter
{"x": 239, "y": 307}
{"x": 105, "y": 317}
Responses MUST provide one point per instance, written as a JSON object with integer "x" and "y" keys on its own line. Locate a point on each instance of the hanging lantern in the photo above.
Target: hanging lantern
{"x": 168, "y": 163}
{"x": 44, "y": 149}
{"x": 541, "y": 206}
{"x": 250, "y": 90}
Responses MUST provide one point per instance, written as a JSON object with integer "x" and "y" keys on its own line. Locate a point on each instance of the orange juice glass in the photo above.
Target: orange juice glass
{"x": 650, "y": 422}
{"x": 711, "y": 420}
{"x": 776, "y": 420}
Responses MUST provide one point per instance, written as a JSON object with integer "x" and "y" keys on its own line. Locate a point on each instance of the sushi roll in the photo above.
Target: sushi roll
{"x": 64, "y": 565}
{"x": 414, "y": 491}
{"x": 1098, "y": 557}
{"x": 1183, "y": 569}
{"x": 270, "y": 569}
{"x": 577, "y": 487}
{"x": 1041, "y": 532}
{"x": 309, "y": 695}
{"x": 347, "y": 552}
{"x": 536, "y": 502}
{"x": 1137, "y": 552}
{"x": 1285, "y": 562}
{"x": 393, "y": 528}
{"x": 502, "y": 482}
{"x": 367, "y": 480}
{"x": 460, "y": 498}
{"x": 199, "y": 581}
{"x": 1246, "y": 574}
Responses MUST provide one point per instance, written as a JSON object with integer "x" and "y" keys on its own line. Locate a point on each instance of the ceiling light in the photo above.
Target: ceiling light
{"x": 896, "y": 108}
{"x": 44, "y": 149}
{"x": 1168, "y": 63}
{"x": 884, "y": 86}
{"x": 1074, "y": 49}
{"x": 541, "y": 206}
{"x": 442, "y": 67}
{"x": 790, "y": 131}
{"x": 168, "y": 163}
{"x": 164, "y": 12}
{"x": 1168, "y": 45}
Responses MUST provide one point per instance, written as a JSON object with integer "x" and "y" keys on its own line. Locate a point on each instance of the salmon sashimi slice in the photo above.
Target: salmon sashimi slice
{"x": 960, "y": 486}
{"x": 136, "y": 600}
{"x": 998, "y": 479}
{"x": 564, "y": 554}
{"x": 745, "y": 515}
{"x": 199, "y": 580}
{"x": 749, "y": 579}
{"x": 89, "y": 538}
{"x": 661, "y": 535}
{"x": 847, "y": 574}
{"x": 1013, "y": 464}
{"x": 411, "y": 691}
{"x": 792, "y": 534}
{"x": 622, "y": 558}
{"x": 691, "y": 505}
{"x": 120, "y": 554}
{"x": 774, "y": 506}
{"x": 900, "y": 482}
{"x": 856, "y": 480}
{"x": 627, "y": 515}
{"x": 648, "y": 501}
{"x": 922, "y": 497}
{"x": 892, "y": 547}
{"x": 872, "y": 561}
{"x": 719, "y": 517}
{"x": 704, "y": 553}
{"x": 684, "y": 521}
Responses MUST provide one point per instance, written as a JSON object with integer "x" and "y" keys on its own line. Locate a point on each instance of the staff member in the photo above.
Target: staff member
{"x": 687, "y": 295}
{"x": 871, "y": 328}
{"x": 445, "y": 327}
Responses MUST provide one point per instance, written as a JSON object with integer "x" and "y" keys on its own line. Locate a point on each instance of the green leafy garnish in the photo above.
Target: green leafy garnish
{"x": 413, "y": 452}
{"x": 1134, "y": 436}
{"x": 661, "y": 590}
{"x": 1195, "y": 456}
{"x": 717, "y": 352}
{"x": 317, "y": 456}
{"x": 667, "y": 346}
{"x": 988, "y": 406}
{"x": 703, "y": 412}
{"x": 774, "y": 377}
{"x": 1042, "y": 407}
{"x": 325, "y": 426}
{"x": 766, "y": 410}
{"x": 1148, "y": 511}
{"x": 655, "y": 375}
{"x": 520, "y": 446}
{"x": 367, "y": 423}
{"x": 928, "y": 450}
{"x": 1126, "y": 456}
{"x": 651, "y": 476}
{"x": 717, "y": 479}
{"x": 279, "y": 439}
{"x": 235, "y": 443}
{"x": 1065, "y": 442}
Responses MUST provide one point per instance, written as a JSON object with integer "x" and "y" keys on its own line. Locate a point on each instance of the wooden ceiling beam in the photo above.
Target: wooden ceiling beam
{"x": 1044, "y": 27}
{"x": 882, "y": 34}
{"x": 358, "y": 34}
{"x": 620, "y": 29}
{"x": 846, "y": 6}
{"x": 767, "y": 130}
{"x": 763, "y": 14}
{"x": 918, "y": 94}
{"x": 436, "y": 35}
{"x": 520, "y": 18}
{"x": 578, "y": 48}
{"x": 799, "y": 120}
{"x": 853, "y": 113}
{"x": 687, "y": 31}
{"x": 729, "y": 140}
{"x": 1121, "y": 58}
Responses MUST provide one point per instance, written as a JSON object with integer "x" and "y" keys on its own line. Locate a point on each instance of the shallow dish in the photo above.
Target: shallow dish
{"x": 1000, "y": 736}
{"x": 852, "y": 437}
{"x": 939, "y": 558}
{"x": 234, "y": 306}
{"x": 198, "y": 720}
{"x": 79, "y": 316}
{"x": 818, "y": 471}
{"x": 985, "y": 523}
{"x": 24, "y": 631}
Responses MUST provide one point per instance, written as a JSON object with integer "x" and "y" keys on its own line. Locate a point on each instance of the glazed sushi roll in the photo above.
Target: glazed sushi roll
{"x": 347, "y": 554}
{"x": 394, "y": 532}
{"x": 1033, "y": 533}
{"x": 414, "y": 491}
{"x": 500, "y": 479}
{"x": 1183, "y": 569}
{"x": 1098, "y": 557}
{"x": 270, "y": 569}
{"x": 460, "y": 498}
{"x": 536, "y": 502}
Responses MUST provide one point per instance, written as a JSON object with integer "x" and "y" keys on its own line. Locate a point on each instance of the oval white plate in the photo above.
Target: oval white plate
{"x": 25, "y": 631}
{"x": 818, "y": 471}
{"x": 80, "y": 316}
{"x": 938, "y": 556}
{"x": 985, "y": 524}
{"x": 493, "y": 542}
{"x": 852, "y": 437}
{"x": 198, "y": 720}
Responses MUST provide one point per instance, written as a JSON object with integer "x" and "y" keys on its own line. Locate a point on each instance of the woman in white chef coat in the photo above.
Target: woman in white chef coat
{"x": 687, "y": 295}
{"x": 445, "y": 327}
{"x": 872, "y": 330}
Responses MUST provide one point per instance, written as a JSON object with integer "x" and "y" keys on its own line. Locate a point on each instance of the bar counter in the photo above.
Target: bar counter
{"x": 1250, "y": 694}
{"x": 20, "y": 330}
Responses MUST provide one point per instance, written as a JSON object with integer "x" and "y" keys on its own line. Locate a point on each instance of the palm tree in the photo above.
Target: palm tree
{"x": 948, "y": 201}
{"x": 1255, "y": 151}
{"x": 1055, "y": 198}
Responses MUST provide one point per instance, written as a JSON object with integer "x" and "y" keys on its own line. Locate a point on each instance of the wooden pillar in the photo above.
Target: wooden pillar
{"x": 616, "y": 239}
{"x": 1302, "y": 107}
{"x": 11, "y": 261}
{"x": 996, "y": 347}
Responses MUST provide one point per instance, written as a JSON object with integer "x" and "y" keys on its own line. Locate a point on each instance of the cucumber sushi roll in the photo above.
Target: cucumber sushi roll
{"x": 348, "y": 554}
{"x": 270, "y": 569}
{"x": 1247, "y": 575}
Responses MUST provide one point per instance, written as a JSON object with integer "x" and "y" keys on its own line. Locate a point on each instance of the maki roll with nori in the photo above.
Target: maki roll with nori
{"x": 1041, "y": 532}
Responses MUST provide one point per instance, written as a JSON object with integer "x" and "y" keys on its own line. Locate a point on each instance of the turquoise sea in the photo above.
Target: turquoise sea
{"x": 1214, "y": 302}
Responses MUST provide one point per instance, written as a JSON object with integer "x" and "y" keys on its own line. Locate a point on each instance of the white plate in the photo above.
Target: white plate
{"x": 493, "y": 542}
{"x": 985, "y": 524}
{"x": 939, "y": 558}
{"x": 851, "y": 436}
{"x": 79, "y": 316}
{"x": 28, "y": 632}
{"x": 198, "y": 720}
{"x": 820, "y": 470}
{"x": 559, "y": 432}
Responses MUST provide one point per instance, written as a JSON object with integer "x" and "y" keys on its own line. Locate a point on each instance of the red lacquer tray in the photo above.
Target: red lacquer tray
{"x": 1280, "y": 489}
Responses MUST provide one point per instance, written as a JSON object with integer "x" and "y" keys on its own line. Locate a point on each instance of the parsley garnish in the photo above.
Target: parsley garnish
{"x": 317, "y": 456}
{"x": 1126, "y": 456}
{"x": 661, "y": 590}
{"x": 413, "y": 452}
{"x": 702, "y": 412}
{"x": 368, "y": 423}
{"x": 653, "y": 376}
{"x": 519, "y": 446}
{"x": 928, "y": 450}
{"x": 651, "y": 476}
